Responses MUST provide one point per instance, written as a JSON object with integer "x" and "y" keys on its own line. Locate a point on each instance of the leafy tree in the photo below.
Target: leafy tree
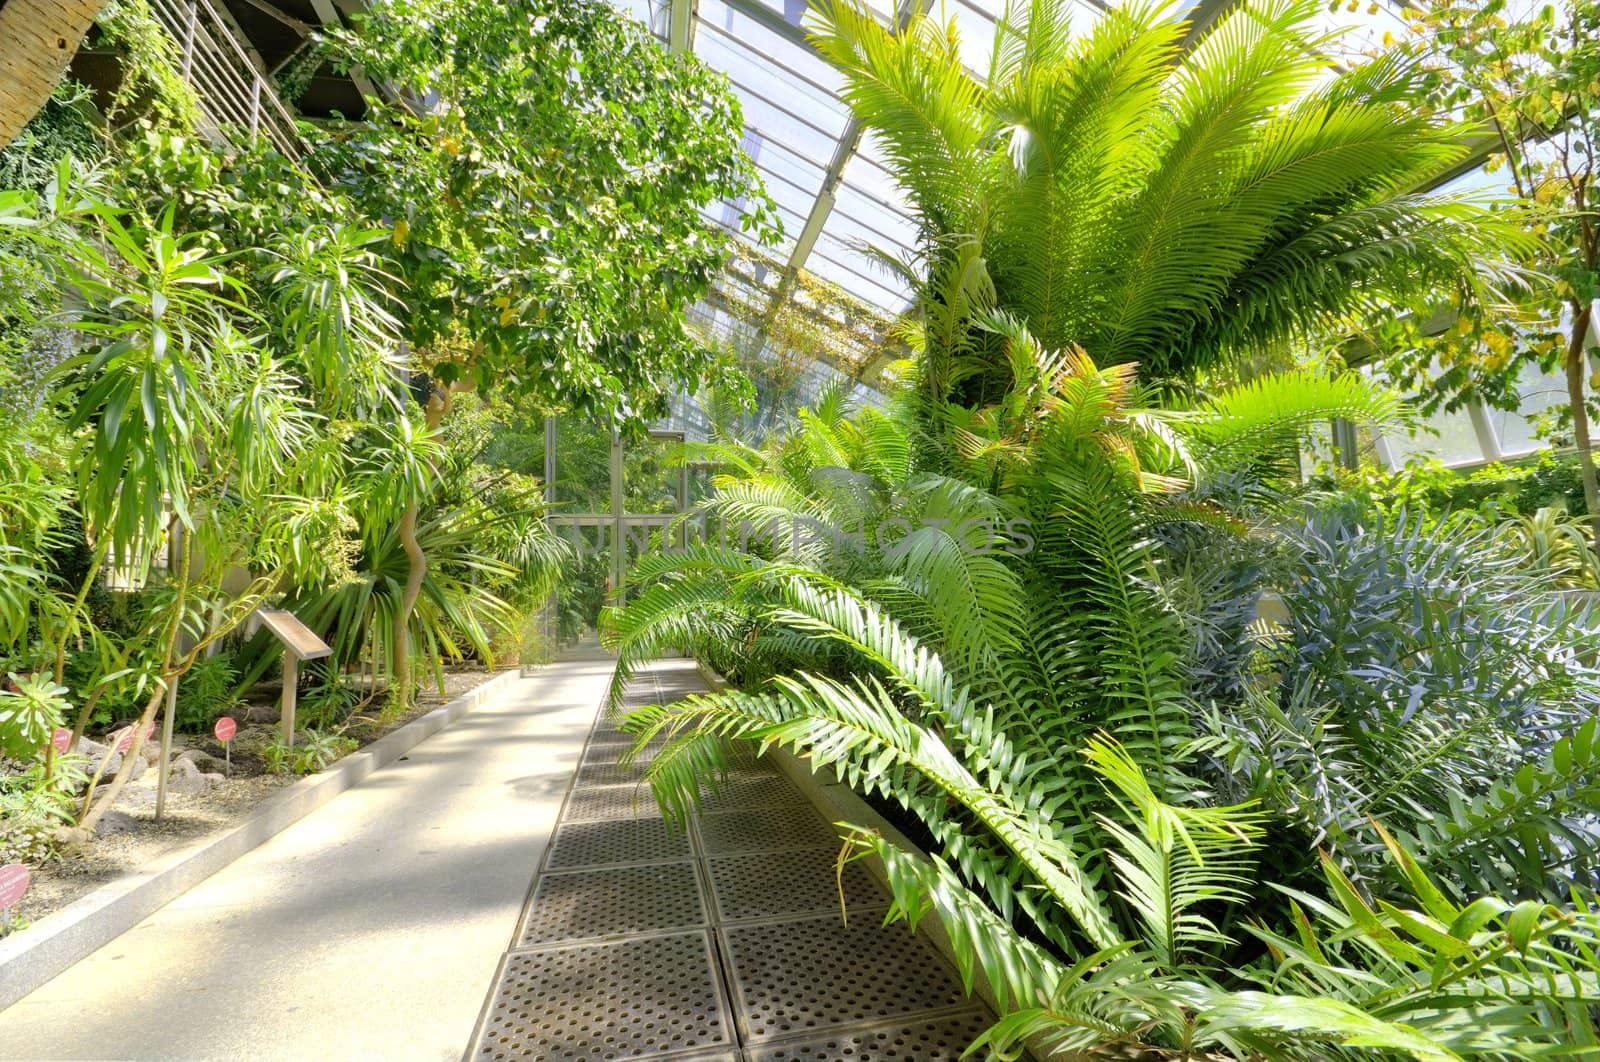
{"x": 1533, "y": 82}
{"x": 542, "y": 182}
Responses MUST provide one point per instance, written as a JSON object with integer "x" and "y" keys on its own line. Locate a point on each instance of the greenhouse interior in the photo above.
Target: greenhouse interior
{"x": 776, "y": 530}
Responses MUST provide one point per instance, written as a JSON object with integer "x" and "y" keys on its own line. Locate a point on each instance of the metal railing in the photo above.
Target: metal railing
{"x": 236, "y": 99}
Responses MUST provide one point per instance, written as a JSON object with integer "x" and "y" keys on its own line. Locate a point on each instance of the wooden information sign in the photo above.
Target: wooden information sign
{"x": 296, "y": 637}
{"x": 299, "y": 643}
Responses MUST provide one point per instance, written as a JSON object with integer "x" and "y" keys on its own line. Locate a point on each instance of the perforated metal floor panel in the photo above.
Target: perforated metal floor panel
{"x": 752, "y": 788}
{"x": 592, "y": 803}
{"x": 613, "y": 901}
{"x": 626, "y": 999}
{"x": 595, "y": 844}
{"x": 773, "y": 884}
{"x": 940, "y": 1039}
{"x": 609, "y": 774}
{"x": 816, "y": 973}
{"x": 718, "y": 943}
{"x": 764, "y": 829}
{"x": 613, "y": 751}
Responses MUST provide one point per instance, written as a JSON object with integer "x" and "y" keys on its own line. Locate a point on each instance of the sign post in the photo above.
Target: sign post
{"x": 175, "y": 546}
{"x": 299, "y": 643}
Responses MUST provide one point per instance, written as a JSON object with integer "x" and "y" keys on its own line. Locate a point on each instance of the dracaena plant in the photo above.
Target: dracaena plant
{"x": 184, "y": 418}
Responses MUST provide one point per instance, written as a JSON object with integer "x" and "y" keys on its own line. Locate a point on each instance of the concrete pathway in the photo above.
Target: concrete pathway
{"x": 370, "y": 929}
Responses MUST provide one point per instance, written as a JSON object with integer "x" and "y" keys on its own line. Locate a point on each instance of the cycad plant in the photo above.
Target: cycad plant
{"x": 1411, "y": 672}
{"x": 1151, "y": 949}
{"x": 1149, "y": 199}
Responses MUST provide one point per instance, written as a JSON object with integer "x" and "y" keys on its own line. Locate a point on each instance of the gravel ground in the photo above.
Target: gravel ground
{"x": 129, "y": 838}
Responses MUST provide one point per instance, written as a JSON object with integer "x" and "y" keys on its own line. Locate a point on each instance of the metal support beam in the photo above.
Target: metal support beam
{"x": 329, "y": 16}
{"x": 1346, "y": 449}
{"x": 293, "y": 54}
{"x": 245, "y": 43}
{"x": 551, "y": 628}
{"x": 305, "y": 29}
{"x": 849, "y": 143}
{"x": 1483, "y": 427}
{"x": 821, "y": 210}
{"x": 619, "y": 543}
{"x": 1202, "y": 17}
{"x": 680, "y": 25}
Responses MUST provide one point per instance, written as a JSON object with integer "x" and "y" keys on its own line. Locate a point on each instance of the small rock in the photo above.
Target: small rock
{"x": 253, "y": 740}
{"x": 115, "y": 822}
{"x": 140, "y": 794}
{"x": 202, "y": 760}
{"x": 263, "y": 713}
{"x": 96, "y": 752}
{"x": 140, "y": 766}
{"x": 185, "y": 777}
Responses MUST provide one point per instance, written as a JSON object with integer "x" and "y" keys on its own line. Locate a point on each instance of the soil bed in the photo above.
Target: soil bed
{"x": 129, "y": 837}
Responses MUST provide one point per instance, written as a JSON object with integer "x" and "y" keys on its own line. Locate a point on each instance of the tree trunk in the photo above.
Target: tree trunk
{"x": 1577, "y": 377}
{"x": 417, "y": 569}
{"x": 41, "y": 37}
{"x": 400, "y": 639}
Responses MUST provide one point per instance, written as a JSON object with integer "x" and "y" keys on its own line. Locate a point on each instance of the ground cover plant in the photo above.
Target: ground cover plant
{"x": 1205, "y": 763}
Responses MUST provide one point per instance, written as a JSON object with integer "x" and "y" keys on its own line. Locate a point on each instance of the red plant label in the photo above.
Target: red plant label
{"x": 225, "y": 729}
{"x": 13, "y": 883}
{"x": 61, "y": 738}
{"x": 124, "y": 737}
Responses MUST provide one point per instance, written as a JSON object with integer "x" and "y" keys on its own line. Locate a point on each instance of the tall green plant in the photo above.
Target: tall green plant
{"x": 1149, "y": 200}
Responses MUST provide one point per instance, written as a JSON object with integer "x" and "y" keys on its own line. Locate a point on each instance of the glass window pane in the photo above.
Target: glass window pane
{"x": 1455, "y": 444}
{"x": 1540, "y": 391}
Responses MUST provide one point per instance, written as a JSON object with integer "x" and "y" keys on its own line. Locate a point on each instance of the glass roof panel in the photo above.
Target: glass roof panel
{"x": 1539, "y": 392}
{"x": 782, "y": 162}
{"x": 887, "y": 231}
{"x": 793, "y": 11}
{"x": 1365, "y": 27}
{"x": 975, "y": 27}
{"x": 652, "y": 13}
{"x": 784, "y": 43}
{"x": 825, "y": 262}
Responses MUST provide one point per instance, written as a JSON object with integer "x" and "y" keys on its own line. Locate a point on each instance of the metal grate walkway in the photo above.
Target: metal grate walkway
{"x": 724, "y": 944}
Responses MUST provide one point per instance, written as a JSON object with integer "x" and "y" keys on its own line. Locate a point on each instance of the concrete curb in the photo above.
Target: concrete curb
{"x": 32, "y": 957}
{"x": 839, "y": 803}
